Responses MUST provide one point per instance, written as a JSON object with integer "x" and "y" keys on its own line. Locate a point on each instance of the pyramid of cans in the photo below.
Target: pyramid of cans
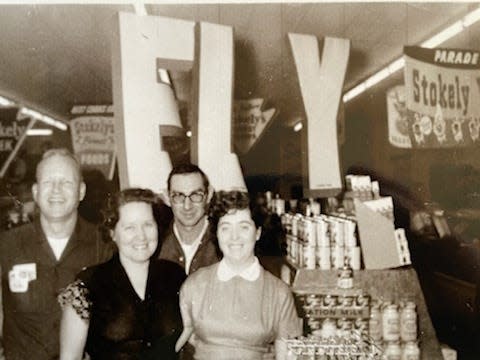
{"x": 321, "y": 241}
{"x": 351, "y": 325}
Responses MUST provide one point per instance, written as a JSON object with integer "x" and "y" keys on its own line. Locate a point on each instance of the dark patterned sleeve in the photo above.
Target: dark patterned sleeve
{"x": 76, "y": 295}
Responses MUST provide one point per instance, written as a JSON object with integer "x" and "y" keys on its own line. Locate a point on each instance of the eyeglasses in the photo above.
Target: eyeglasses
{"x": 195, "y": 197}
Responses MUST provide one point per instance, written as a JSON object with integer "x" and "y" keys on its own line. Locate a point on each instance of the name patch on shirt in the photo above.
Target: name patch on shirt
{"x": 20, "y": 276}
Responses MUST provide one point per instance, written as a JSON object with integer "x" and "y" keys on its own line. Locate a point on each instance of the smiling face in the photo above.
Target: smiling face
{"x": 237, "y": 235}
{"x": 188, "y": 213}
{"x": 136, "y": 233}
{"x": 58, "y": 189}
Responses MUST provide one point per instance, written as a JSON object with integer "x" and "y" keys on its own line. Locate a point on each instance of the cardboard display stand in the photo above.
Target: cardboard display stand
{"x": 387, "y": 285}
{"x": 377, "y": 238}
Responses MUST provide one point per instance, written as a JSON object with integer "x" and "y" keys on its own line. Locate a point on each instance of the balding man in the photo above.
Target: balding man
{"x": 40, "y": 258}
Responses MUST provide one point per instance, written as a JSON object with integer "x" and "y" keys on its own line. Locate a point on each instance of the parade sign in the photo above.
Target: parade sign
{"x": 442, "y": 97}
{"x": 94, "y": 142}
{"x": 250, "y": 122}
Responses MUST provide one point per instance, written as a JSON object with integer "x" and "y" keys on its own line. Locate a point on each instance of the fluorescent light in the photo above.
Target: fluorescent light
{"x": 377, "y": 77}
{"x": 396, "y": 65}
{"x": 298, "y": 126}
{"x": 39, "y": 132}
{"x": 357, "y": 90}
{"x": 189, "y": 133}
{"x": 6, "y": 102}
{"x": 471, "y": 18}
{"x": 443, "y": 35}
{"x": 439, "y": 38}
{"x": 58, "y": 124}
{"x": 164, "y": 76}
{"x": 43, "y": 118}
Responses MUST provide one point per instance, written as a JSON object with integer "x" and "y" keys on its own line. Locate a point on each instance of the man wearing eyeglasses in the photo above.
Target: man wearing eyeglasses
{"x": 188, "y": 241}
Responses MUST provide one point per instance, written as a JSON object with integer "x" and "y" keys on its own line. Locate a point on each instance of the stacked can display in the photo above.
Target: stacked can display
{"x": 391, "y": 328}
{"x": 395, "y": 326}
{"x": 321, "y": 242}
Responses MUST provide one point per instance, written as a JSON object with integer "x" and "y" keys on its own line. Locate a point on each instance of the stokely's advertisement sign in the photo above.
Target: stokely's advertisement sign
{"x": 10, "y": 131}
{"x": 250, "y": 121}
{"x": 442, "y": 96}
{"x": 94, "y": 142}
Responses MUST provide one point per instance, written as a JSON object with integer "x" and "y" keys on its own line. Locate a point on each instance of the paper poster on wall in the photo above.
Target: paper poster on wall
{"x": 250, "y": 122}
{"x": 93, "y": 142}
{"x": 397, "y": 117}
{"x": 442, "y": 97}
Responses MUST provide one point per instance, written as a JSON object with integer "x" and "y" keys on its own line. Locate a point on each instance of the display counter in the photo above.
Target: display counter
{"x": 386, "y": 285}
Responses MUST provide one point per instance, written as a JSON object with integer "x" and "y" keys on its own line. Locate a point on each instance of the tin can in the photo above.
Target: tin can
{"x": 337, "y": 257}
{"x": 334, "y": 229}
{"x": 295, "y": 220}
{"x": 411, "y": 351}
{"x": 362, "y": 300}
{"x": 354, "y": 257}
{"x": 300, "y": 228}
{"x": 294, "y": 249}
{"x": 330, "y": 300}
{"x": 361, "y": 325}
{"x": 350, "y": 236}
{"x": 313, "y": 300}
{"x": 393, "y": 351}
{"x": 408, "y": 322}
{"x": 289, "y": 239}
{"x": 346, "y": 301}
{"x": 341, "y": 232}
{"x": 309, "y": 232}
{"x": 375, "y": 323}
{"x": 329, "y": 328}
{"x": 391, "y": 323}
{"x": 345, "y": 278}
{"x": 313, "y": 324}
{"x": 323, "y": 257}
{"x": 345, "y": 327}
{"x": 309, "y": 256}
{"x": 300, "y": 255}
{"x": 322, "y": 232}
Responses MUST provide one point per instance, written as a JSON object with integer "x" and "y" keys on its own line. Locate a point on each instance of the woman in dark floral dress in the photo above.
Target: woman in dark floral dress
{"x": 126, "y": 308}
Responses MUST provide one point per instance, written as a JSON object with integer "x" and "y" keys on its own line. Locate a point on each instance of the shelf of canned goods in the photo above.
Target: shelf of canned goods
{"x": 383, "y": 315}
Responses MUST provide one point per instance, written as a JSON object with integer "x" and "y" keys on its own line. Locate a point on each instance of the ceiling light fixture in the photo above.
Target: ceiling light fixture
{"x": 298, "y": 126}
{"x": 43, "y": 118}
{"x": 39, "y": 132}
{"x": 6, "y": 102}
{"x": 164, "y": 76}
{"x": 437, "y": 39}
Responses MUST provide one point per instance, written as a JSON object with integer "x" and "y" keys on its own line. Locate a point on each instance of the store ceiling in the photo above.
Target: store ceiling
{"x": 55, "y": 56}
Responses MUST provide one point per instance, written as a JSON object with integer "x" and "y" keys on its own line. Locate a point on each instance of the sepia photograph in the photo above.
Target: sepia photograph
{"x": 239, "y": 180}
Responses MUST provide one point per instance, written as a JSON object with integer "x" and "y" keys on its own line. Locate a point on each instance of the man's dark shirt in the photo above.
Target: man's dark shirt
{"x": 32, "y": 318}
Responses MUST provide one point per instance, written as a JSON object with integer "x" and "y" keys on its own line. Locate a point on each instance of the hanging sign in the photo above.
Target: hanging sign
{"x": 442, "y": 97}
{"x": 250, "y": 122}
{"x": 10, "y": 131}
{"x": 12, "y": 135}
{"x": 94, "y": 142}
{"x": 397, "y": 118}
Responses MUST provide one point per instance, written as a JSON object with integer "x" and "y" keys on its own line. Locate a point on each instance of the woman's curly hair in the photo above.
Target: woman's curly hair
{"x": 111, "y": 212}
{"x": 224, "y": 202}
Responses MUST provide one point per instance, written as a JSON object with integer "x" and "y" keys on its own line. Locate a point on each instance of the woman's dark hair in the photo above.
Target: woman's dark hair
{"x": 225, "y": 201}
{"x": 111, "y": 213}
